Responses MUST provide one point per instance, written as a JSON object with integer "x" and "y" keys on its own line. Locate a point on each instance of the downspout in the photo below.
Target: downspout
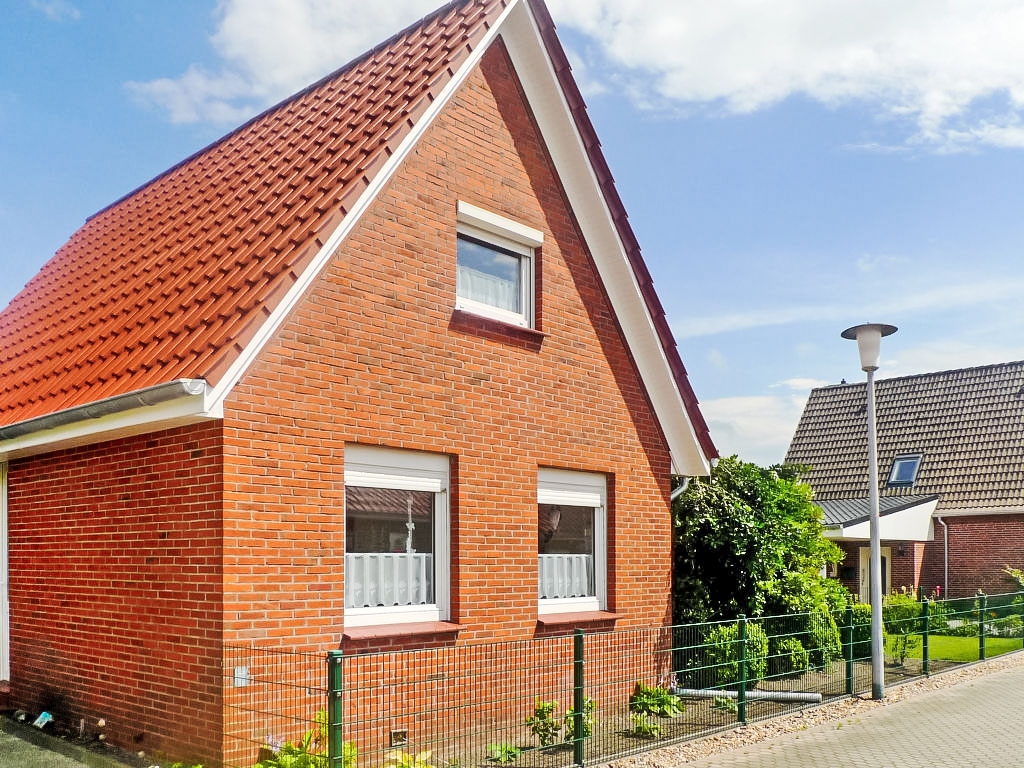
{"x": 945, "y": 556}
{"x": 679, "y": 491}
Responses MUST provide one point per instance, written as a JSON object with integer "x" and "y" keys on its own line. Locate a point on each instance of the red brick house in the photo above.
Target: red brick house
{"x": 951, "y": 476}
{"x": 382, "y": 367}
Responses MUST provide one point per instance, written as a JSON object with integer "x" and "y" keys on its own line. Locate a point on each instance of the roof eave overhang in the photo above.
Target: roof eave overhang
{"x": 910, "y": 523}
{"x": 603, "y": 231}
{"x": 163, "y": 406}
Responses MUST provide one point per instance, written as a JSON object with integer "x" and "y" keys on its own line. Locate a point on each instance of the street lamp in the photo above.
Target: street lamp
{"x": 869, "y": 341}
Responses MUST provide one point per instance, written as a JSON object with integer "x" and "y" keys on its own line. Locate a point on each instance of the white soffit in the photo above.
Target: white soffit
{"x": 543, "y": 91}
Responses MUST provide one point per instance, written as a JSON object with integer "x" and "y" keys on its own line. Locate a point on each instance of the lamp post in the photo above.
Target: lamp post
{"x": 869, "y": 341}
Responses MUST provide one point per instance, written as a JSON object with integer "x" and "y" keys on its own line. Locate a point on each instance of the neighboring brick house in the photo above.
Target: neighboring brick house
{"x": 381, "y": 368}
{"x": 951, "y": 476}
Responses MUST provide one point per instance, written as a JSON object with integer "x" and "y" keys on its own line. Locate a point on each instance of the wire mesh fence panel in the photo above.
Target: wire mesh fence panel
{"x": 273, "y": 699}
{"x": 555, "y": 701}
{"x": 460, "y": 703}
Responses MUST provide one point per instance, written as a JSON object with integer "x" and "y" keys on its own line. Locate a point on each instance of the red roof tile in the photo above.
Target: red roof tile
{"x": 169, "y": 281}
{"x": 174, "y": 279}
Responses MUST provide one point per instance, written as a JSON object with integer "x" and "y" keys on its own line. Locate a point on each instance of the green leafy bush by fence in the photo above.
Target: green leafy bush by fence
{"x": 723, "y": 653}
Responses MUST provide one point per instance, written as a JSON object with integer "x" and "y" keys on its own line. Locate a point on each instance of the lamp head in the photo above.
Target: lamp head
{"x": 869, "y": 342}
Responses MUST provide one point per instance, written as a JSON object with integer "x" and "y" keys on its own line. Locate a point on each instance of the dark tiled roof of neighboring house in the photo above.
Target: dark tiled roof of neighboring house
{"x": 176, "y": 278}
{"x": 849, "y": 511}
{"x": 967, "y": 424}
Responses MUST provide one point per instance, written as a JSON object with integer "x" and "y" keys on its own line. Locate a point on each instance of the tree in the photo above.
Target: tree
{"x": 749, "y": 540}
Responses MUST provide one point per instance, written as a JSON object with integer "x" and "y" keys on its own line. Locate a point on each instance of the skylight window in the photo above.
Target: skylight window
{"x": 904, "y": 470}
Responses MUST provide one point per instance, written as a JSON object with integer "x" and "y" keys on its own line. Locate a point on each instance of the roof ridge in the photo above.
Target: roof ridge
{"x": 351, "y": 63}
{"x": 919, "y": 375}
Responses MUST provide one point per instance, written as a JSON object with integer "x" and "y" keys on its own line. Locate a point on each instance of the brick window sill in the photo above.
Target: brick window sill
{"x": 381, "y": 631}
{"x": 497, "y": 330}
{"x": 576, "y": 618}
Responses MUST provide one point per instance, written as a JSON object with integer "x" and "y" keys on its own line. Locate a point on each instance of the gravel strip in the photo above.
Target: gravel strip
{"x": 685, "y": 752}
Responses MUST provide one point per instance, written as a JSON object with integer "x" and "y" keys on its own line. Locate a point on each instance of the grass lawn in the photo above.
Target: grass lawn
{"x": 959, "y": 648}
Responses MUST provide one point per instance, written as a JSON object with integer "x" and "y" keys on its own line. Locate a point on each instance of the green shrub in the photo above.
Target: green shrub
{"x": 787, "y": 656}
{"x": 503, "y": 753}
{"x": 588, "y": 720}
{"x": 722, "y": 654}
{"x": 644, "y": 728}
{"x": 861, "y": 631}
{"x": 310, "y": 751}
{"x": 964, "y": 629}
{"x": 544, "y": 723}
{"x": 822, "y": 641}
{"x": 654, "y": 700}
{"x": 1011, "y": 626}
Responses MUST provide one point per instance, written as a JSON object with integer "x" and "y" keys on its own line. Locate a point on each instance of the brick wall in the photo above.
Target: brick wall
{"x": 375, "y": 354}
{"x": 979, "y": 548}
{"x": 115, "y": 587}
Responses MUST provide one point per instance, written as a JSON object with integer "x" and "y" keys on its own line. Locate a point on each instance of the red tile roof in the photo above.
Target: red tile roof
{"x": 174, "y": 279}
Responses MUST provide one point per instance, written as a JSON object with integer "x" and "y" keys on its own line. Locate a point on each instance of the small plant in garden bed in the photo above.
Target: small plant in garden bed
{"x": 503, "y": 753}
{"x": 588, "y": 721}
{"x": 401, "y": 759}
{"x": 724, "y": 703}
{"x": 310, "y": 751}
{"x": 654, "y": 700}
{"x": 544, "y": 723}
{"x": 643, "y": 727}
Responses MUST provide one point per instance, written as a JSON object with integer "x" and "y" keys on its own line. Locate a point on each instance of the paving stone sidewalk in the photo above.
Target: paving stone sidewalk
{"x": 976, "y": 723}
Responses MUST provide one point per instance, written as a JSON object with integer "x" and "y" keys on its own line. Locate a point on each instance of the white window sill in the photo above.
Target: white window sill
{"x": 568, "y": 605}
{"x": 491, "y": 313}
{"x": 400, "y": 614}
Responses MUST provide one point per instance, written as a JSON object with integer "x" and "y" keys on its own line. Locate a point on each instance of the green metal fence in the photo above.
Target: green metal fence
{"x": 589, "y": 697}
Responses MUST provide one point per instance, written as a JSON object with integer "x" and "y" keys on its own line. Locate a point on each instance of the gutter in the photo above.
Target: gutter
{"x": 155, "y": 395}
{"x": 161, "y": 406}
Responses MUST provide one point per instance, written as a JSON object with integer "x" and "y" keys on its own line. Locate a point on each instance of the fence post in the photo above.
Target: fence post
{"x": 982, "y": 605}
{"x": 335, "y": 703}
{"x": 925, "y": 617}
{"x": 848, "y": 649}
{"x": 741, "y": 694}
{"x": 578, "y": 715}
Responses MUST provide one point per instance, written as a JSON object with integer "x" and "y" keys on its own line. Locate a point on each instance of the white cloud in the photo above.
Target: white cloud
{"x": 951, "y": 295}
{"x": 936, "y": 65}
{"x": 717, "y": 359}
{"x": 269, "y": 49}
{"x": 800, "y": 384}
{"x": 758, "y": 428}
{"x": 57, "y": 10}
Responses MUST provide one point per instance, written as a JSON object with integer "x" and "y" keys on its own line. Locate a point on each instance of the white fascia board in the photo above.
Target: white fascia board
{"x": 981, "y": 511}
{"x": 180, "y": 411}
{"x": 223, "y": 388}
{"x": 910, "y": 524}
{"x": 544, "y": 93}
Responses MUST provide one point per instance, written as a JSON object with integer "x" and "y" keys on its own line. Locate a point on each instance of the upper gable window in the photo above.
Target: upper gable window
{"x": 904, "y": 470}
{"x": 495, "y": 266}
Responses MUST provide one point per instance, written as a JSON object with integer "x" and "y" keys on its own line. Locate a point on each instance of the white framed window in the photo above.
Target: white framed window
{"x": 572, "y": 541}
{"x": 495, "y": 266}
{"x": 397, "y": 541}
{"x": 904, "y": 470}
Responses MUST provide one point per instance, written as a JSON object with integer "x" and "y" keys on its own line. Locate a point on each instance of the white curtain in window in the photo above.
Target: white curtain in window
{"x": 488, "y": 289}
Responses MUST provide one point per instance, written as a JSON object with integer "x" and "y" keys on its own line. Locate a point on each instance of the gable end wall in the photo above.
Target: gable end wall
{"x": 374, "y": 354}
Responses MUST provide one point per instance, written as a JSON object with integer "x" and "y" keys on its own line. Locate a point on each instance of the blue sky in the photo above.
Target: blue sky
{"x": 791, "y": 167}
